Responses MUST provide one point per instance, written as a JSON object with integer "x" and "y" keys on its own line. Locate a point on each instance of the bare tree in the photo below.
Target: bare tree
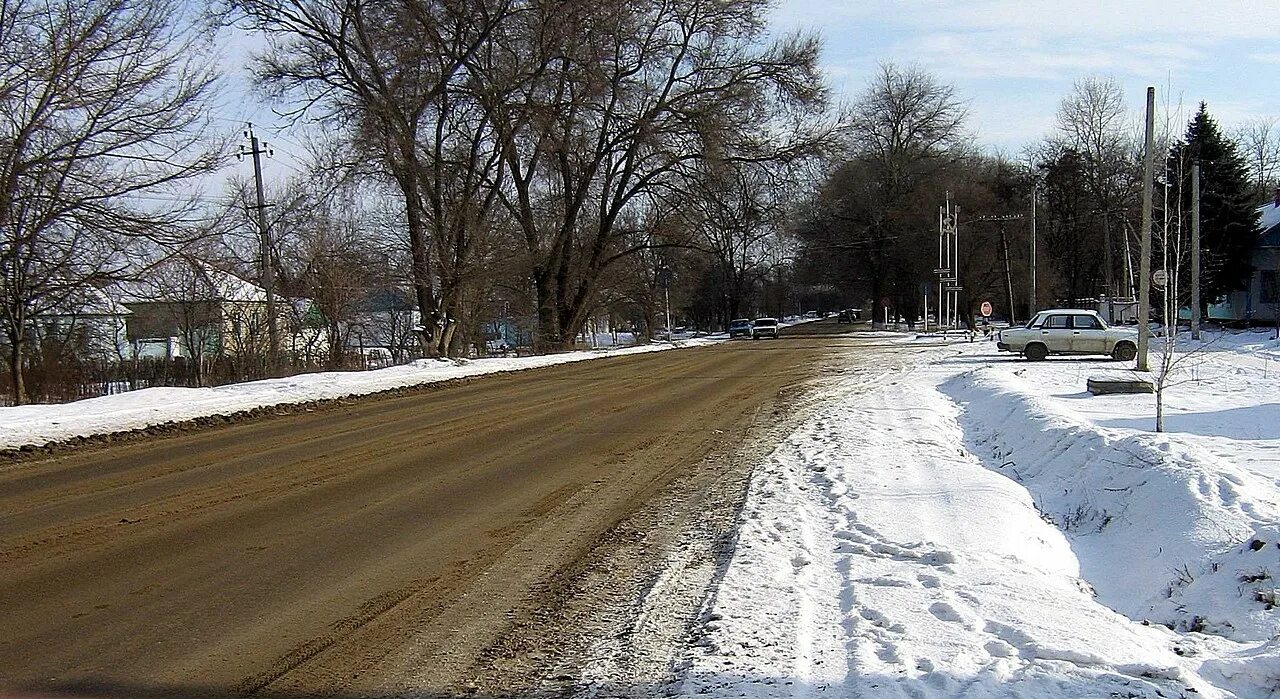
{"x": 101, "y": 115}
{"x": 1092, "y": 120}
{"x": 906, "y": 127}
{"x": 610, "y": 117}
{"x": 906, "y": 116}
{"x": 1259, "y": 140}
{"x": 389, "y": 74}
{"x": 739, "y": 212}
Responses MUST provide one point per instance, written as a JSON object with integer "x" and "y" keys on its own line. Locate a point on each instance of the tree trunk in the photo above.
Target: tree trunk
{"x": 336, "y": 350}
{"x": 420, "y": 255}
{"x": 19, "y": 392}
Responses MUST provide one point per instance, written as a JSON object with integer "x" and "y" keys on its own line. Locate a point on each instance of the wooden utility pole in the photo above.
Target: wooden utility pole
{"x": 256, "y": 150}
{"x": 1195, "y": 251}
{"x": 1144, "y": 262}
{"x": 1008, "y": 273}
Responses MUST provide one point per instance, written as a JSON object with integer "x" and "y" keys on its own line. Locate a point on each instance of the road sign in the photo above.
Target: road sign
{"x": 986, "y": 309}
{"x": 1159, "y": 278}
{"x": 886, "y": 303}
{"x": 953, "y": 287}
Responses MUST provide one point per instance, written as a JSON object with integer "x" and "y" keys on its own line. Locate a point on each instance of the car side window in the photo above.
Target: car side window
{"x": 1056, "y": 322}
{"x": 1085, "y": 323}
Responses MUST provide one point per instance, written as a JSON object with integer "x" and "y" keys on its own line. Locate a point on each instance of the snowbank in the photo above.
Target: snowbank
{"x": 42, "y": 424}
{"x": 878, "y": 557}
{"x": 967, "y": 524}
{"x": 37, "y": 425}
{"x": 1178, "y": 528}
{"x": 1160, "y": 526}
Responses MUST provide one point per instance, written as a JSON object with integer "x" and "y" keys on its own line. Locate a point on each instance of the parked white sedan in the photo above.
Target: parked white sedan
{"x": 1068, "y": 331}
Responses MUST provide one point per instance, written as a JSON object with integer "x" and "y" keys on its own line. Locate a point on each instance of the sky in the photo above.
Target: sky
{"x": 1014, "y": 60}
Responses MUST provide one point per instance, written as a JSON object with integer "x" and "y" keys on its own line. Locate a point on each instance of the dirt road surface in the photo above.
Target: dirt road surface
{"x": 471, "y": 539}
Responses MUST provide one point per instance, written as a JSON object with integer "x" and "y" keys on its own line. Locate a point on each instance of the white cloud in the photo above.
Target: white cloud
{"x": 1191, "y": 19}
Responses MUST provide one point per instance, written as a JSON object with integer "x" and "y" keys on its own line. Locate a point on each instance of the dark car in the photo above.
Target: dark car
{"x": 741, "y": 326}
{"x": 845, "y": 316}
{"x": 764, "y": 327}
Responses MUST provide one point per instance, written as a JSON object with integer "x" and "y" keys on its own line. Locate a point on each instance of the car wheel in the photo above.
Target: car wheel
{"x": 1036, "y": 353}
{"x": 1124, "y": 352}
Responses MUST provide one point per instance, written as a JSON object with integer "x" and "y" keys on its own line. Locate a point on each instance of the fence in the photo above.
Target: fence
{"x": 64, "y": 380}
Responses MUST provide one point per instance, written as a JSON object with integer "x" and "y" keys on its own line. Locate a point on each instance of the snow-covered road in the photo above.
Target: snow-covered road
{"x": 889, "y": 547}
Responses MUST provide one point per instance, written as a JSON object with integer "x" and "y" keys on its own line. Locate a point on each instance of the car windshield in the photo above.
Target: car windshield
{"x": 766, "y": 321}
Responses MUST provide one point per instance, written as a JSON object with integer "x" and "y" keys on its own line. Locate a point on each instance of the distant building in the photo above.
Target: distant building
{"x": 1260, "y": 301}
{"x": 88, "y": 324}
{"x": 184, "y": 307}
{"x": 385, "y": 326}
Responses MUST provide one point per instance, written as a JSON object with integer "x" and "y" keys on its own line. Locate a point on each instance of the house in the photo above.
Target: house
{"x": 88, "y": 324}
{"x": 183, "y": 307}
{"x": 1260, "y": 302}
{"x": 385, "y": 326}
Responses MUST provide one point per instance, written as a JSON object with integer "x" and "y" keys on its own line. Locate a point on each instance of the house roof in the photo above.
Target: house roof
{"x": 87, "y": 301}
{"x": 185, "y": 279}
{"x": 1270, "y": 225}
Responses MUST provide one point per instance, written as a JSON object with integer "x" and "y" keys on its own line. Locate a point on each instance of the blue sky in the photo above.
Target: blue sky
{"x": 1013, "y": 60}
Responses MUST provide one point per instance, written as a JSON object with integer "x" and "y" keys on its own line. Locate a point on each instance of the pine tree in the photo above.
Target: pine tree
{"x": 1229, "y": 223}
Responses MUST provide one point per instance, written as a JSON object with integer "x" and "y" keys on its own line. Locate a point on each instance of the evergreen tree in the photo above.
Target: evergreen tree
{"x": 1229, "y": 223}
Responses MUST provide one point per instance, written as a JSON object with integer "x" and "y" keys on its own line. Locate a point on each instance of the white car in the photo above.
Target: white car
{"x": 764, "y": 327}
{"x": 1068, "y": 331}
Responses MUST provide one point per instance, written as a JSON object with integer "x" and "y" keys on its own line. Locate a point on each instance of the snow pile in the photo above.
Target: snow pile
{"x": 1179, "y": 527}
{"x": 41, "y": 424}
{"x": 878, "y": 557}
{"x": 1157, "y": 523}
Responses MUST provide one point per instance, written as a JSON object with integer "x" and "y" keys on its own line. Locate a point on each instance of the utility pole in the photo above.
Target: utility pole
{"x": 1008, "y": 273}
{"x": 1195, "y": 250}
{"x": 257, "y": 149}
{"x": 1008, "y": 265}
{"x": 1034, "y": 304}
{"x": 955, "y": 265}
{"x": 664, "y": 277}
{"x": 1144, "y": 261}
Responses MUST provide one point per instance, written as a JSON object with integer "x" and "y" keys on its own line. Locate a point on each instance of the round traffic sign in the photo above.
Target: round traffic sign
{"x": 1160, "y": 278}
{"x": 986, "y": 309}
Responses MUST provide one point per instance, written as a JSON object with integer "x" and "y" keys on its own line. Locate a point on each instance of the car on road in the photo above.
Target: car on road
{"x": 1068, "y": 331}
{"x": 740, "y": 326}
{"x": 848, "y": 315}
{"x": 764, "y": 327}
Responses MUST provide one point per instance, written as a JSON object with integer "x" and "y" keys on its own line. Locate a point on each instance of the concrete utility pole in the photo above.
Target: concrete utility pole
{"x": 1144, "y": 261}
{"x": 1034, "y": 305}
{"x": 1195, "y": 251}
{"x": 256, "y": 150}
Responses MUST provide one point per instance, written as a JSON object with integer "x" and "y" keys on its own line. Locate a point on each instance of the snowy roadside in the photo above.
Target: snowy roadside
{"x": 123, "y": 412}
{"x": 38, "y": 425}
{"x": 957, "y": 523}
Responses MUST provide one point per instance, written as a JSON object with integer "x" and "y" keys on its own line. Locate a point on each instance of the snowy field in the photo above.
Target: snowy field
{"x": 962, "y": 523}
